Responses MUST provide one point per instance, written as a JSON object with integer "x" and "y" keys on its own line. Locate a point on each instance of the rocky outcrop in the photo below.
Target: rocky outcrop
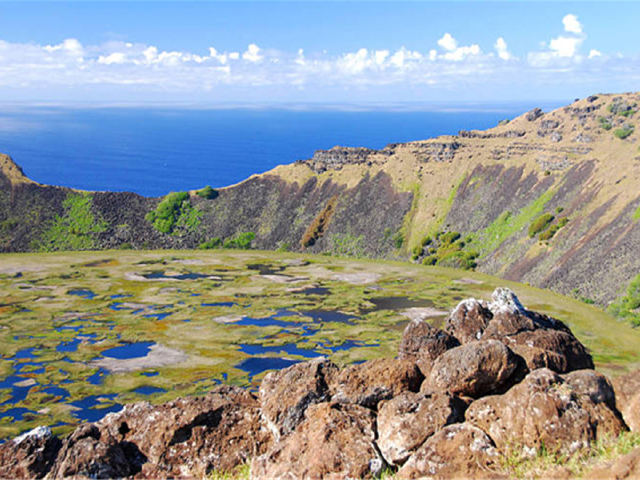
{"x": 627, "y": 467}
{"x": 285, "y": 395}
{"x": 335, "y": 441}
{"x": 456, "y": 451}
{"x": 627, "y": 389}
{"x": 485, "y": 394}
{"x": 563, "y": 413}
{"x": 369, "y": 383}
{"x": 472, "y": 370}
{"x": 406, "y": 421}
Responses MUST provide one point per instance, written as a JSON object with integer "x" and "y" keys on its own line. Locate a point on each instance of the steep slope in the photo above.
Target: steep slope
{"x": 579, "y": 164}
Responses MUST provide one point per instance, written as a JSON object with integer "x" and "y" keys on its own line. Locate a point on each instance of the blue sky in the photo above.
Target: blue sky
{"x": 212, "y": 52}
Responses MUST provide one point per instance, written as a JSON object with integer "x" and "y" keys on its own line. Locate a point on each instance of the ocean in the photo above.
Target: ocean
{"x": 155, "y": 150}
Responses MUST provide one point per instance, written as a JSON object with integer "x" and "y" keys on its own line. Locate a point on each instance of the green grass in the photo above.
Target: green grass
{"x": 509, "y": 224}
{"x": 636, "y": 215}
{"x": 516, "y": 463}
{"x": 75, "y": 229}
{"x": 242, "y": 472}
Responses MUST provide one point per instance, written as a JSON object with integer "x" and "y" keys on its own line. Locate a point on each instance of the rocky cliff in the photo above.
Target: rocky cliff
{"x": 573, "y": 172}
{"x": 499, "y": 382}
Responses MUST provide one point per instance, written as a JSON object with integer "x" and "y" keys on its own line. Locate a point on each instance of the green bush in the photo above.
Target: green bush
{"x": 623, "y": 133}
{"x": 563, "y": 221}
{"x": 627, "y": 307}
{"x": 211, "y": 244}
{"x": 242, "y": 241}
{"x": 540, "y": 224}
{"x": 604, "y": 123}
{"x": 418, "y": 250}
{"x": 430, "y": 260}
{"x": 175, "y": 211}
{"x": 426, "y": 241}
{"x": 207, "y": 192}
{"x": 449, "y": 237}
{"x": 398, "y": 240}
{"x": 559, "y": 210}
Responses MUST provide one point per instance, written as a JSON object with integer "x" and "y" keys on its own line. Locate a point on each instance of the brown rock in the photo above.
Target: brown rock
{"x": 30, "y": 455}
{"x": 542, "y": 341}
{"x": 563, "y": 413}
{"x": 406, "y": 421}
{"x": 423, "y": 343}
{"x": 468, "y": 321}
{"x": 90, "y": 453}
{"x": 334, "y": 441}
{"x": 286, "y": 394}
{"x": 623, "y": 468}
{"x": 370, "y": 382}
{"x": 474, "y": 369}
{"x": 627, "y": 390}
{"x": 456, "y": 451}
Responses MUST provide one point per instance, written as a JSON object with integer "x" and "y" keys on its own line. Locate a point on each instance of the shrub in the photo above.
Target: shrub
{"x": 559, "y": 210}
{"x": 503, "y": 122}
{"x": 242, "y": 241}
{"x": 418, "y": 250}
{"x": 430, "y": 260}
{"x": 623, "y": 133}
{"x": 604, "y": 123}
{"x": 449, "y": 237}
{"x": 563, "y": 221}
{"x": 207, "y": 192}
{"x": 426, "y": 241}
{"x": 540, "y": 224}
{"x": 211, "y": 244}
{"x": 398, "y": 240}
{"x": 174, "y": 211}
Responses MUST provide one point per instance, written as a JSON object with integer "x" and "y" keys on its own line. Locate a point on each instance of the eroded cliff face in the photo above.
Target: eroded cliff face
{"x": 579, "y": 164}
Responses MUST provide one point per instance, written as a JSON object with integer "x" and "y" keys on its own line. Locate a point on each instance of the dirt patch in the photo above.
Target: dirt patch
{"x": 357, "y": 278}
{"x": 422, "y": 313}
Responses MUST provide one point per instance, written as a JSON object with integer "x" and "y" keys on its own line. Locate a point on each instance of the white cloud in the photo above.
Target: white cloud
{"x": 565, "y": 46}
{"x": 116, "y": 57}
{"x": 252, "y": 54}
{"x": 448, "y": 42}
{"x": 571, "y": 24}
{"x": 502, "y": 49}
{"x": 594, "y": 53}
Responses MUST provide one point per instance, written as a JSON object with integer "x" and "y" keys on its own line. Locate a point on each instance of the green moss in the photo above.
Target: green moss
{"x": 174, "y": 214}
{"x": 76, "y": 228}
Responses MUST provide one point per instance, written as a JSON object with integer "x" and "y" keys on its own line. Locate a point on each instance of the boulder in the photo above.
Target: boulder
{"x": 185, "y": 438}
{"x": 626, "y": 467}
{"x": 474, "y": 369}
{"x": 456, "y": 451}
{"x": 541, "y": 341}
{"x": 30, "y": 455}
{"x": 286, "y": 394}
{"x": 370, "y": 382}
{"x": 334, "y": 441}
{"x": 406, "y": 421}
{"x": 468, "y": 321}
{"x": 423, "y": 343}
{"x": 561, "y": 413}
{"x": 627, "y": 388}
{"x": 91, "y": 453}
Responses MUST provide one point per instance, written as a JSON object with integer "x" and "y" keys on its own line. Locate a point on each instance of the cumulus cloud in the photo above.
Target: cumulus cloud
{"x": 502, "y": 49}
{"x": 571, "y": 24}
{"x": 445, "y": 62}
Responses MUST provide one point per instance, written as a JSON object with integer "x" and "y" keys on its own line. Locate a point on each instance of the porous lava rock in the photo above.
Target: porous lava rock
{"x": 541, "y": 341}
{"x": 627, "y": 388}
{"x": 457, "y": 451}
{"x": 406, "y": 421}
{"x": 472, "y": 370}
{"x": 335, "y": 440}
{"x": 563, "y": 413}
{"x": 286, "y": 394}
{"x": 370, "y": 382}
{"x": 423, "y": 343}
{"x": 30, "y": 455}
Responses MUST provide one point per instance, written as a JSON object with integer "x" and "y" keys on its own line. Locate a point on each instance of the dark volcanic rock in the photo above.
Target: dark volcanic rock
{"x": 286, "y": 394}
{"x": 468, "y": 321}
{"x": 406, "y": 421}
{"x": 474, "y": 369}
{"x": 627, "y": 388}
{"x": 534, "y": 114}
{"x": 560, "y": 412}
{"x": 423, "y": 343}
{"x": 334, "y": 441}
{"x": 456, "y": 451}
{"x": 368, "y": 383}
{"x": 30, "y": 455}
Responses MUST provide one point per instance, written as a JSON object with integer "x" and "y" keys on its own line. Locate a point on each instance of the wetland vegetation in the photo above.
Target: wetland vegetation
{"x": 84, "y": 333}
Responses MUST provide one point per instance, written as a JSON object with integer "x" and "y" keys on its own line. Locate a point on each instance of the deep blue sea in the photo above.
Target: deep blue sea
{"x": 153, "y": 151}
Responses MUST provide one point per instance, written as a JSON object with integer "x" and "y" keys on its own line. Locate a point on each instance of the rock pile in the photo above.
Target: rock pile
{"x": 495, "y": 378}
